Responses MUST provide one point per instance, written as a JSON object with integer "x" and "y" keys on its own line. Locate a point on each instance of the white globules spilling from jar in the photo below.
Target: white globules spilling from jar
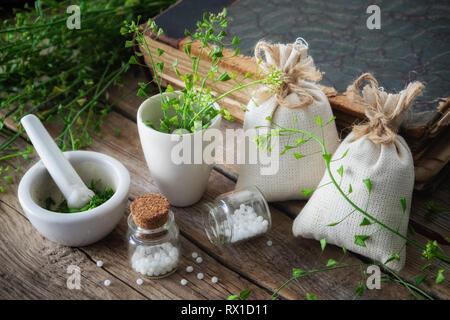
{"x": 246, "y": 224}
{"x": 236, "y": 216}
{"x": 155, "y": 261}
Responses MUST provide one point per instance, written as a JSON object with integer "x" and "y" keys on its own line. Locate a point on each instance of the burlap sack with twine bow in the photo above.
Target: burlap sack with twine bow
{"x": 296, "y": 104}
{"x": 375, "y": 152}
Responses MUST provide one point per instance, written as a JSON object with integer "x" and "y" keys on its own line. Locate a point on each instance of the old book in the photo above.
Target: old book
{"x": 343, "y": 47}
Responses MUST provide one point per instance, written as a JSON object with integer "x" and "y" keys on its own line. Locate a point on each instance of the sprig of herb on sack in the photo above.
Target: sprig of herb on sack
{"x": 429, "y": 252}
{"x": 61, "y": 74}
{"x": 195, "y": 108}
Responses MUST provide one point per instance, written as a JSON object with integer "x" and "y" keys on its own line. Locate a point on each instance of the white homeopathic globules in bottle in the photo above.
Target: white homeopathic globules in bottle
{"x": 153, "y": 237}
{"x": 237, "y": 215}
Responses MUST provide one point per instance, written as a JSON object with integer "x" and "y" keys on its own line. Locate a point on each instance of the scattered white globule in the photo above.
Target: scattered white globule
{"x": 246, "y": 224}
{"x": 155, "y": 261}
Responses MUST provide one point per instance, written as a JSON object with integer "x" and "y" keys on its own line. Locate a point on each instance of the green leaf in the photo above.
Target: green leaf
{"x": 269, "y": 118}
{"x": 169, "y": 88}
{"x": 411, "y": 229}
{"x": 300, "y": 141}
{"x": 8, "y": 179}
{"x": 174, "y": 120}
{"x": 365, "y": 222}
{"x": 318, "y": 120}
{"x": 403, "y": 202}
{"x": 133, "y": 60}
{"x": 310, "y": 296}
{"x": 233, "y": 297}
{"x": 117, "y": 132}
{"x": 331, "y": 120}
{"x": 160, "y": 66}
{"x": 426, "y": 266}
{"x": 129, "y": 43}
{"x": 142, "y": 85}
{"x": 394, "y": 256}
{"x": 323, "y": 243}
{"x": 235, "y": 40}
{"x": 244, "y": 294}
{"x": 350, "y": 189}
{"x": 297, "y": 272}
{"x": 298, "y": 155}
{"x": 340, "y": 171}
{"x": 248, "y": 75}
{"x": 344, "y": 249}
{"x": 307, "y": 192}
{"x": 419, "y": 279}
{"x": 360, "y": 240}
{"x": 360, "y": 289}
{"x": 187, "y": 49}
{"x": 344, "y": 154}
{"x": 224, "y": 77}
{"x": 331, "y": 262}
{"x": 327, "y": 157}
{"x": 368, "y": 184}
{"x": 159, "y": 51}
{"x": 236, "y": 52}
{"x": 141, "y": 94}
{"x": 286, "y": 148}
{"x": 440, "y": 276}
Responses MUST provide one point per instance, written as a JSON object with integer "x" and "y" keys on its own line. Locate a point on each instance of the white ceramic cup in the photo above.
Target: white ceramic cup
{"x": 182, "y": 184}
{"x": 79, "y": 228}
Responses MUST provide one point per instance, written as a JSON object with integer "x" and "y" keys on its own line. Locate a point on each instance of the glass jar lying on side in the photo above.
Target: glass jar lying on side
{"x": 153, "y": 237}
{"x": 237, "y": 215}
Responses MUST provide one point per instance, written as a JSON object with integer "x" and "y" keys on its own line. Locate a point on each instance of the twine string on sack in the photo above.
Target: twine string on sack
{"x": 384, "y": 111}
{"x": 294, "y": 63}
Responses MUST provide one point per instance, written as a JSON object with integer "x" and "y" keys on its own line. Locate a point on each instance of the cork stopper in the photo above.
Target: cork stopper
{"x": 150, "y": 211}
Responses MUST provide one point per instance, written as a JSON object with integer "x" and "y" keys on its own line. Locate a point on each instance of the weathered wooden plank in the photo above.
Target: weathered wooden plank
{"x": 113, "y": 252}
{"x": 252, "y": 259}
{"x": 35, "y": 268}
{"x": 128, "y": 146}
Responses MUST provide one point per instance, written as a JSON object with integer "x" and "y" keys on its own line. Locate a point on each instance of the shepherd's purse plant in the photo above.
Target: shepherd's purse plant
{"x": 194, "y": 108}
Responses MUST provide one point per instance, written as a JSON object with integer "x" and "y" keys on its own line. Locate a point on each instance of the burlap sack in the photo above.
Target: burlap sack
{"x": 375, "y": 152}
{"x": 296, "y": 104}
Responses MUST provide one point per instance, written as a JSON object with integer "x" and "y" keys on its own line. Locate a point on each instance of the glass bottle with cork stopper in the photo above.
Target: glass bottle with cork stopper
{"x": 153, "y": 237}
{"x": 236, "y": 216}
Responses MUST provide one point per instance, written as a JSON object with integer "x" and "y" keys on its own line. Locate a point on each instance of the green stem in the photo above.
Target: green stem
{"x": 15, "y": 155}
{"x": 307, "y": 273}
{"x": 328, "y": 167}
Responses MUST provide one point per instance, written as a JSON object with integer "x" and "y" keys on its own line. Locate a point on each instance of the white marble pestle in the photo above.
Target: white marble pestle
{"x": 66, "y": 178}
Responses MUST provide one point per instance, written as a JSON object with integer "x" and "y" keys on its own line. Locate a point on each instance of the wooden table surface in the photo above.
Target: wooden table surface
{"x": 32, "y": 267}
